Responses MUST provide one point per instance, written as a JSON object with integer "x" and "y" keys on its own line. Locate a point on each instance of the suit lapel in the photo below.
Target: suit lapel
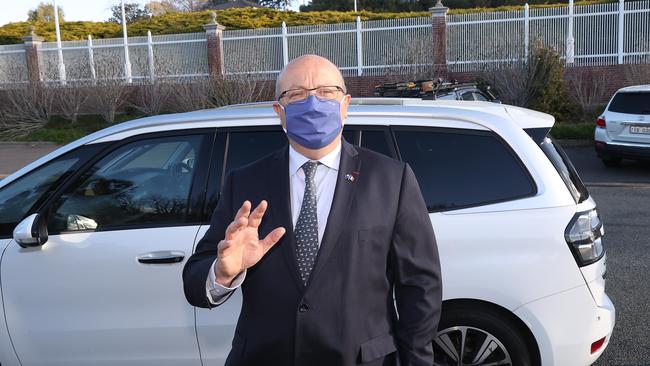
{"x": 280, "y": 210}
{"x": 343, "y": 194}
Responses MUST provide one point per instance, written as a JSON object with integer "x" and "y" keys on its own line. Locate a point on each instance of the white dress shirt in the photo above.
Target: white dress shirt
{"x": 325, "y": 180}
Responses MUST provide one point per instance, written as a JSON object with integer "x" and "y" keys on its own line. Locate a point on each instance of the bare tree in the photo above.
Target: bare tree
{"x": 70, "y": 99}
{"x": 152, "y": 98}
{"x": 109, "y": 93}
{"x": 25, "y": 109}
{"x": 586, "y": 87}
{"x": 639, "y": 73}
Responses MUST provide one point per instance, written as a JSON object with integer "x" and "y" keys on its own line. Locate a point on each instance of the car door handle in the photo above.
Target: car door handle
{"x": 162, "y": 257}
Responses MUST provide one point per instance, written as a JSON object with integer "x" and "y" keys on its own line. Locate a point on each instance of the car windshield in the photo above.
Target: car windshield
{"x": 632, "y": 103}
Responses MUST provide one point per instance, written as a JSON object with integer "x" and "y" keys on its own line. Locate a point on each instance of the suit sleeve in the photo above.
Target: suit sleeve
{"x": 199, "y": 265}
{"x": 416, "y": 269}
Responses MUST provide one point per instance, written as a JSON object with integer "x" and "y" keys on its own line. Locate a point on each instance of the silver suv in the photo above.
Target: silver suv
{"x": 623, "y": 130}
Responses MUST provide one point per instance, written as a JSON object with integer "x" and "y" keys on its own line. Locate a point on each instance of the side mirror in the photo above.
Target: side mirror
{"x": 31, "y": 232}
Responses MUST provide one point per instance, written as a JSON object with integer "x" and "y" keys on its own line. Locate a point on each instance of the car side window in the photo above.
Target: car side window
{"x": 462, "y": 168}
{"x": 467, "y": 96}
{"x": 480, "y": 97}
{"x": 143, "y": 183}
{"x": 376, "y": 140}
{"x": 20, "y": 195}
{"x": 247, "y": 146}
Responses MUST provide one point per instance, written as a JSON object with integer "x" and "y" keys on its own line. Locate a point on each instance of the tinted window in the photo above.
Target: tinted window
{"x": 19, "y": 196}
{"x": 376, "y": 140}
{"x": 246, "y": 147}
{"x": 351, "y": 136}
{"x": 457, "y": 168}
{"x": 565, "y": 168}
{"x": 480, "y": 97}
{"x": 634, "y": 103}
{"x": 467, "y": 96}
{"x": 143, "y": 183}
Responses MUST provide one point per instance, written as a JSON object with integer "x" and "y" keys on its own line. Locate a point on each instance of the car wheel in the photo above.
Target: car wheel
{"x": 612, "y": 161}
{"x": 469, "y": 335}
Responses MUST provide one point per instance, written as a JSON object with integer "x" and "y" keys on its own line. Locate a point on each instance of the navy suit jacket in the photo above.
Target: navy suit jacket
{"x": 378, "y": 258}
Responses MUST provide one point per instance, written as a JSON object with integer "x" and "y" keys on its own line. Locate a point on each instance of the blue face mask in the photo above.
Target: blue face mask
{"x": 313, "y": 123}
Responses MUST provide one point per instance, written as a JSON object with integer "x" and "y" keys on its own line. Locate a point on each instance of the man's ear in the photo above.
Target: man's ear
{"x": 344, "y": 107}
{"x": 280, "y": 112}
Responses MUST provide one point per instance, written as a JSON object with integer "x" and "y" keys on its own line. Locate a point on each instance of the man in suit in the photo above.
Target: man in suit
{"x": 337, "y": 262}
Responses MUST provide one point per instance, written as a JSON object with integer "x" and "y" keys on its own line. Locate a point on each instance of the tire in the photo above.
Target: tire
{"x": 611, "y": 161}
{"x": 490, "y": 338}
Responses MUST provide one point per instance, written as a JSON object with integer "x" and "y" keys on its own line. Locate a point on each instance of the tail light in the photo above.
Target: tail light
{"x": 600, "y": 122}
{"x": 584, "y": 236}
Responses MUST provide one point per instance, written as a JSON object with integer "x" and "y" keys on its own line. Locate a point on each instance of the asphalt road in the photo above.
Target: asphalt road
{"x": 623, "y": 198}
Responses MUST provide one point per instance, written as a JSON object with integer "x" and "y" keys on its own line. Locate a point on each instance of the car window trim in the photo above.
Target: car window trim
{"x": 46, "y": 208}
{"x": 382, "y": 128}
{"x": 467, "y": 131}
{"x": 222, "y": 156}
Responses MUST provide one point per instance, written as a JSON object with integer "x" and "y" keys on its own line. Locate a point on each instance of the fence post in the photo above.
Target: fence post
{"x": 32, "y": 45}
{"x": 214, "y": 36}
{"x": 359, "y": 48}
{"x": 570, "y": 41}
{"x": 285, "y": 45}
{"x": 150, "y": 55}
{"x": 439, "y": 33}
{"x": 621, "y": 30}
{"x": 91, "y": 59}
{"x": 526, "y": 31}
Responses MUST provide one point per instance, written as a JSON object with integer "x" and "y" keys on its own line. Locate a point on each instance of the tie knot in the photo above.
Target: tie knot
{"x": 310, "y": 169}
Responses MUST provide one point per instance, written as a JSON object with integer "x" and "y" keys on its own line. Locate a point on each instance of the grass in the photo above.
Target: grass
{"x": 573, "y": 131}
{"x": 62, "y": 131}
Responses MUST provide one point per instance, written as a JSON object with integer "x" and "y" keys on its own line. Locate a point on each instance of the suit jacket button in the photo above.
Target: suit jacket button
{"x": 303, "y": 308}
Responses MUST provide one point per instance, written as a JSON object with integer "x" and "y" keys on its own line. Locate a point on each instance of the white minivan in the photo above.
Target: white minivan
{"x": 94, "y": 236}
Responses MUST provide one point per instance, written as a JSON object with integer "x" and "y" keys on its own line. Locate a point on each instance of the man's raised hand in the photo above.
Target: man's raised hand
{"x": 241, "y": 247}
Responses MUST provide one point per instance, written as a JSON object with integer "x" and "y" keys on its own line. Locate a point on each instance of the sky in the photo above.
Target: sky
{"x": 93, "y": 10}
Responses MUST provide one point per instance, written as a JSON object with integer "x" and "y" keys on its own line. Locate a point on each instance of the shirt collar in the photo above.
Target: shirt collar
{"x": 331, "y": 160}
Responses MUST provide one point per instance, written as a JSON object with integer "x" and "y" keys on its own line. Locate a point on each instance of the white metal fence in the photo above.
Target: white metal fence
{"x": 163, "y": 56}
{"x": 599, "y": 34}
{"x": 360, "y": 48}
{"x": 13, "y": 64}
{"x": 584, "y": 35}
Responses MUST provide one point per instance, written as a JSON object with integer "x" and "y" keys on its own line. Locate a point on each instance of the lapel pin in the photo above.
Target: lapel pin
{"x": 352, "y": 177}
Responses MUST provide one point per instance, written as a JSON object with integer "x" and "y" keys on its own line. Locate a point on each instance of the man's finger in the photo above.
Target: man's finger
{"x": 235, "y": 226}
{"x": 255, "y": 217}
{"x": 244, "y": 210}
{"x": 272, "y": 238}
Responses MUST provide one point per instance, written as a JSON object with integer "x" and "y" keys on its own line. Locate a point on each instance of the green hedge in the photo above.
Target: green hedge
{"x": 239, "y": 18}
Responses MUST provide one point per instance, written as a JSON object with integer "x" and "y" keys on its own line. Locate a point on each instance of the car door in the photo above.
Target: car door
{"x": 17, "y": 199}
{"x": 234, "y": 147}
{"x": 106, "y": 287}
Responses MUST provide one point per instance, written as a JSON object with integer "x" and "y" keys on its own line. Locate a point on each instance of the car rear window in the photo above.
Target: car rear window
{"x": 565, "y": 168}
{"x": 463, "y": 168}
{"x": 632, "y": 103}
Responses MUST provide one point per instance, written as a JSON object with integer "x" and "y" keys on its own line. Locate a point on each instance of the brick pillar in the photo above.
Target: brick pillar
{"x": 439, "y": 32}
{"x": 34, "y": 67}
{"x": 213, "y": 34}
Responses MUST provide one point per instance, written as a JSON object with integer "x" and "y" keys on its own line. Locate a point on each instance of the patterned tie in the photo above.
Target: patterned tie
{"x": 307, "y": 226}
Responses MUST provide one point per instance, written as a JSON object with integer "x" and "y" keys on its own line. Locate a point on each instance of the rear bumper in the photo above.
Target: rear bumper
{"x": 622, "y": 150}
{"x": 566, "y": 324}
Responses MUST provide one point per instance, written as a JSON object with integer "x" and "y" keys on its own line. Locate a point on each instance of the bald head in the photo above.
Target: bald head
{"x": 308, "y": 71}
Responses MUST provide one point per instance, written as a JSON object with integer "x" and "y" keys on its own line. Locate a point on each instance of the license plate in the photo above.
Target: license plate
{"x": 643, "y": 130}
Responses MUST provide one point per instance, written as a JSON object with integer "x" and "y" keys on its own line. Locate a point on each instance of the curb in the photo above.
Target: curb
{"x": 618, "y": 185}
{"x": 29, "y": 143}
{"x": 575, "y": 143}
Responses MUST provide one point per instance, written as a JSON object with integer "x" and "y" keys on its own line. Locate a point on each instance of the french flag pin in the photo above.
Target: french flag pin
{"x": 352, "y": 177}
